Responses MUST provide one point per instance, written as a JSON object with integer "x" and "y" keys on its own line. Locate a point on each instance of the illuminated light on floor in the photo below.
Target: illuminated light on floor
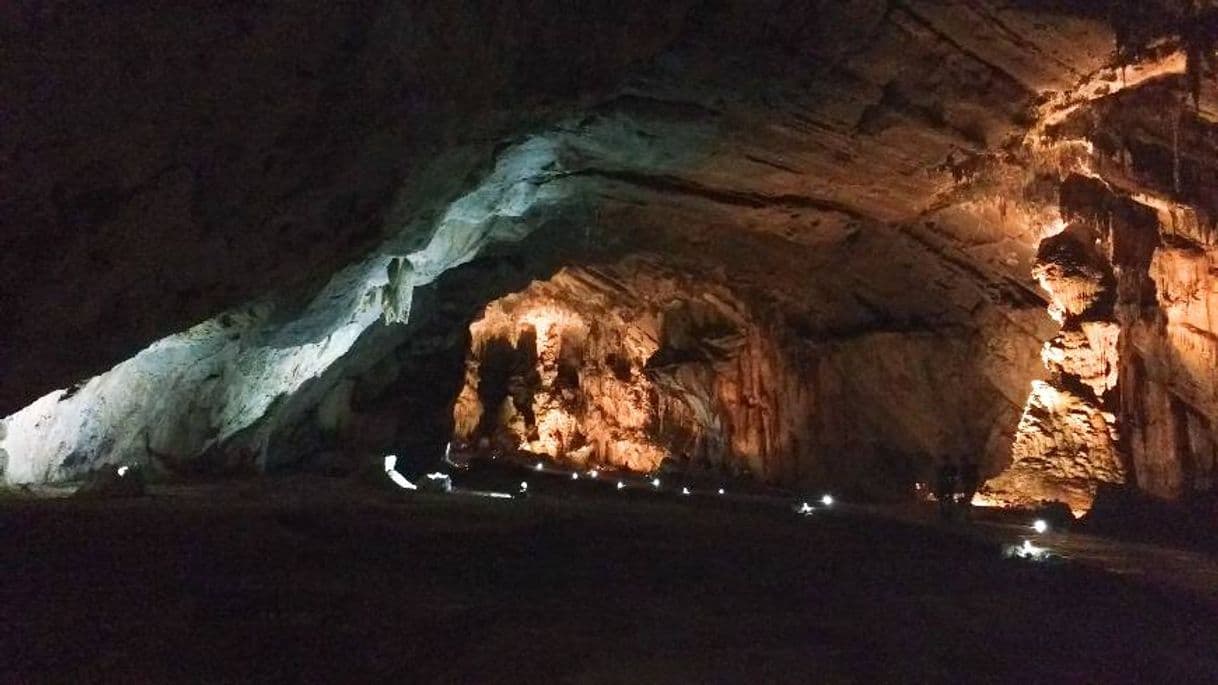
{"x": 804, "y": 509}
{"x": 401, "y": 481}
{"x": 122, "y": 470}
{"x": 574, "y": 476}
{"x": 1027, "y": 550}
{"x": 593, "y": 473}
{"x": 437, "y": 481}
{"x": 827, "y": 500}
{"x": 684, "y": 491}
{"x": 655, "y": 482}
{"x": 524, "y": 486}
{"x": 721, "y": 491}
{"x": 391, "y": 462}
{"x": 539, "y": 466}
{"x": 1040, "y": 526}
{"x": 620, "y": 485}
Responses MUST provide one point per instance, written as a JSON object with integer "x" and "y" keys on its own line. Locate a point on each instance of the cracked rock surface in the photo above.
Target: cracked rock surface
{"x": 898, "y": 196}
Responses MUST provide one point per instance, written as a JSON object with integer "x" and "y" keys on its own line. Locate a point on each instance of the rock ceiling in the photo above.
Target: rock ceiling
{"x": 278, "y": 198}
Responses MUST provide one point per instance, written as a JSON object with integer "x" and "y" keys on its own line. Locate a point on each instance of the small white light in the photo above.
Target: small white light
{"x": 574, "y": 476}
{"x": 620, "y": 485}
{"x": 684, "y": 491}
{"x": 122, "y": 470}
{"x": 805, "y": 509}
{"x": 593, "y": 473}
{"x": 655, "y": 482}
{"x": 391, "y": 462}
{"x": 720, "y": 491}
{"x": 827, "y": 500}
{"x": 524, "y": 486}
{"x": 538, "y": 467}
{"x": 1040, "y": 526}
{"x": 401, "y": 481}
{"x": 1028, "y": 550}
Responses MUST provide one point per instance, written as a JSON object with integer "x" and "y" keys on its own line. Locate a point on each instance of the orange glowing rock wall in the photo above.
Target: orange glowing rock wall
{"x": 628, "y": 366}
{"x": 1170, "y": 373}
{"x": 1065, "y": 447}
{"x": 1132, "y": 389}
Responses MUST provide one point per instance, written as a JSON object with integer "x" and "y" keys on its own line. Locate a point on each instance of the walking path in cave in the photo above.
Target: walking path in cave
{"x": 268, "y": 580}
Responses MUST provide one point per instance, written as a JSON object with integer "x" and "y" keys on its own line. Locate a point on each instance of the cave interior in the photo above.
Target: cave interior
{"x": 765, "y": 247}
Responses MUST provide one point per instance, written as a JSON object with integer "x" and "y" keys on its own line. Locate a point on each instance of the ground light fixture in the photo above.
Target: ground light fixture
{"x": 1040, "y": 526}
{"x": 684, "y": 491}
{"x": 574, "y": 475}
{"x": 593, "y": 473}
{"x": 655, "y": 482}
{"x": 620, "y": 485}
{"x": 539, "y": 466}
{"x": 391, "y": 463}
{"x": 720, "y": 491}
{"x": 827, "y": 500}
{"x": 1027, "y": 550}
{"x": 804, "y": 509}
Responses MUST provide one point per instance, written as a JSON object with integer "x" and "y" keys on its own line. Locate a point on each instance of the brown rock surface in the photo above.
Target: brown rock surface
{"x": 260, "y": 193}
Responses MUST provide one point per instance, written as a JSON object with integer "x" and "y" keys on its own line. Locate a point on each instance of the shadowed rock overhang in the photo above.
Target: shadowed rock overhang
{"x": 888, "y": 183}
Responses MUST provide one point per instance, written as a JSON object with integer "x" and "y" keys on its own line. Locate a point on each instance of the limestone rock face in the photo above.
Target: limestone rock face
{"x": 1130, "y": 394}
{"x": 1064, "y": 450}
{"x": 164, "y": 166}
{"x": 801, "y": 239}
{"x": 1071, "y": 269}
{"x": 628, "y": 365}
{"x": 637, "y": 364}
{"x": 1065, "y": 447}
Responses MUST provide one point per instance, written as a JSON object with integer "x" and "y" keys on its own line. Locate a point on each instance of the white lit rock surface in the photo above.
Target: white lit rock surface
{"x": 880, "y": 208}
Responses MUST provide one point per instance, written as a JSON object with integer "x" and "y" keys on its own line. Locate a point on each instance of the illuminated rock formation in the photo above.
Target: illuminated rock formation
{"x": 639, "y": 362}
{"x": 1066, "y": 444}
{"x": 868, "y": 194}
{"x": 628, "y": 365}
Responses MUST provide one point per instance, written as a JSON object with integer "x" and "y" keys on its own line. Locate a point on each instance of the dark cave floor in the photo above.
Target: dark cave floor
{"x": 305, "y": 580}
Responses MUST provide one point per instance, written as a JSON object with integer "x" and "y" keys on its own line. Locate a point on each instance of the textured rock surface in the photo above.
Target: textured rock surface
{"x": 165, "y": 166}
{"x": 636, "y": 362}
{"x": 628, "y": 366}
{"x": 879, "y": 185}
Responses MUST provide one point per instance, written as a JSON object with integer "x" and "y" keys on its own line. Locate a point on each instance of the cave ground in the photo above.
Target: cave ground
{"x": 311, "y": 580}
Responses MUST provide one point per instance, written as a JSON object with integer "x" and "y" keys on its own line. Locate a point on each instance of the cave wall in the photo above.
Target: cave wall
{"x": 163, "y": 164}
{"x": 639, "y": 363}
{"x": 626, "y": 366}
{"x": 189, "y": 396}
{"x": 1129, "y": 400}
{"x": 882, "y": 185}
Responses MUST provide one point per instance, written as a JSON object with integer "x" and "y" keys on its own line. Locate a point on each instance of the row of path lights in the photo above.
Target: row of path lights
{"x": 1025, "y": 550}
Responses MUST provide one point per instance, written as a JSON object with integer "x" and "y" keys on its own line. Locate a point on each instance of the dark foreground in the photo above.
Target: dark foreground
{"x": 303, "y": 582}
